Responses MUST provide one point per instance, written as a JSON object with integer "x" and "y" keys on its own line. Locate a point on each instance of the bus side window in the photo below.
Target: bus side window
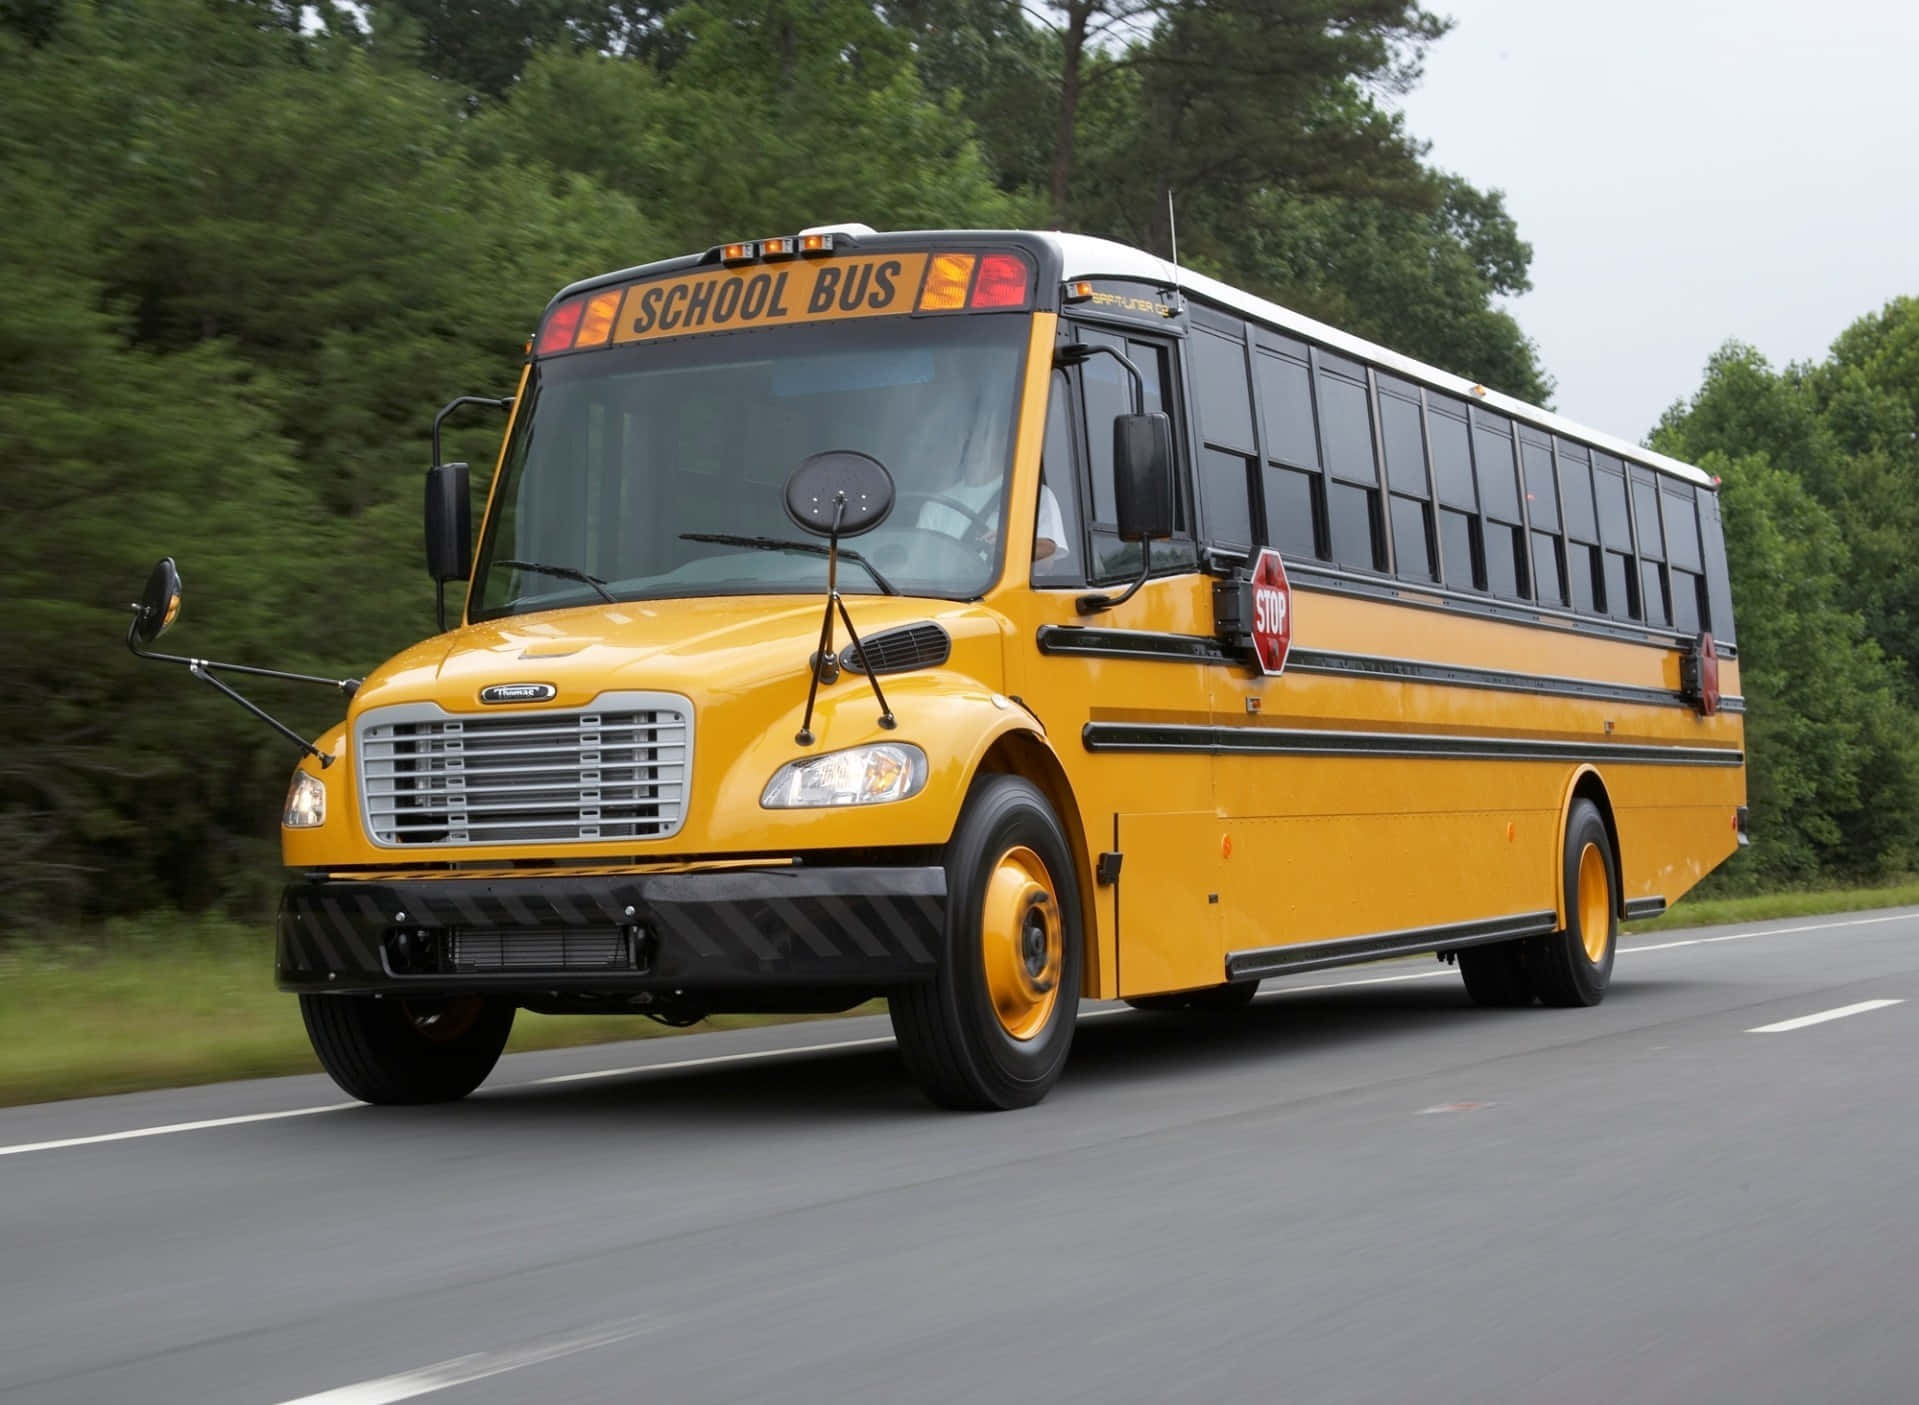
{"x": 1293, "y": 486}
{"x": 1615, "y": 534}
{"x": 1652, "y": 546}
{"x": 1352, "y": 468}
{"x": 1064, "y": 563}
{"x": 1461, "y": 551}
{"x": 1682, "y": 556}
{"x": 1107, "y": 391}
{"x": 1504, "y": 527}
{"x": 1224, "y": 402}
{"x": 1585, "y": 573}
{"x": 1402, "y": 424}
{"x": 1718, "y": 581}
{"x": 1542, "y": 508}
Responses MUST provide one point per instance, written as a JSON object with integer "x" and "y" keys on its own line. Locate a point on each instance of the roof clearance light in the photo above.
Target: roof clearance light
{"x": 597, "y": 325}
{"x": 947, "y": 277}
{"x": 1077, "y": 292}
{"x": 816, "y": 243}
{"x": 1002, "y": 282}
{"x": 739, "y": 253}
{"x": 782, "y": 248}
{"x": 561, "y": 324}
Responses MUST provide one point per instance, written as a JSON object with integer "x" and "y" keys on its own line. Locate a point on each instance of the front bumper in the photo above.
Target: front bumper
{"x": 727, "y": 929}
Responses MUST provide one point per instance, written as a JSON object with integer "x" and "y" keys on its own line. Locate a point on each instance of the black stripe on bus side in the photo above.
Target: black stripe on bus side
{"x": 1277, "y": 741}
{"x": 1261, "y": 962}
{"x": 1315, "y": 576}
{"x": 1197, "y": 648}
{"x": 1639, "y": 908}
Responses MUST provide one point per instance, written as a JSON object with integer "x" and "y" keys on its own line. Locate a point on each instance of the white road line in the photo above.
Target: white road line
{"x": 715, "y": 1060}
{"x": 172, "y": 1127}
{"x": 463, "y": 1370}
{"x": 1786, "y": 1026}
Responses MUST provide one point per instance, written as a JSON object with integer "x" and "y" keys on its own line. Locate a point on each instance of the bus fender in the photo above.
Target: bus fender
{"x": 1585, "y": 783}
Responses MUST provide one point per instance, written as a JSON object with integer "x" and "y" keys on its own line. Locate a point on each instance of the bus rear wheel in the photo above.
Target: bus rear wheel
{"x": 993, "y": 1026}
{"x": 1573, "y": 967}
{"x": 393, "y": 1051}
{"x": 1218, "y": 999}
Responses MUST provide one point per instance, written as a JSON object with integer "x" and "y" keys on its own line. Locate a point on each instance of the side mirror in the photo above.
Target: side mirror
{"x": 159, "y": 603}
{"x": 449, "y": 523}
{"x": 1143, "y": 476}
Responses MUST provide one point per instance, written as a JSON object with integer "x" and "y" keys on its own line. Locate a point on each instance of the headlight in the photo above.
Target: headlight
{"x": 860, "y": 775}
{"x": 306, "y": 802}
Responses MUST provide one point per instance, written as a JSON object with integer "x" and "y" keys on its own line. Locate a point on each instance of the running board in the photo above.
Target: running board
{"x": 1639, "y": 909}
{"x": 1265, "y": 961}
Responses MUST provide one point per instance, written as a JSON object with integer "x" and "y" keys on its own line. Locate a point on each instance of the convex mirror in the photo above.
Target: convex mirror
{"x": 159, "y": 604}
{"x": 841, "y": 491}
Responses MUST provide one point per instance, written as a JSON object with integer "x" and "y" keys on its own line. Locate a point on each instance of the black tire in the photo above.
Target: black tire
{"x": 1563, "y": 972}
{"x": 1496, "y": 974}
{"x": 407, "y": 1051}
{"x": 1216, "y": 999}
{"x": 953, "y": 1041}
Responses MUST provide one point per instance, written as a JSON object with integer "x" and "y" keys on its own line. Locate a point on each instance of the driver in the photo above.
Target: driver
{"x": 978, "y": 493}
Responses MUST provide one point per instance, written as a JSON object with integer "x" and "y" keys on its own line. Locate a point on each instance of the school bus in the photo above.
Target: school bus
{"x": 992, "y": 621}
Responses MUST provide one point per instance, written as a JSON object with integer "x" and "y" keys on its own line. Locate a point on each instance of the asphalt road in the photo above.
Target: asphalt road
{"x": 1362, "y": 1189}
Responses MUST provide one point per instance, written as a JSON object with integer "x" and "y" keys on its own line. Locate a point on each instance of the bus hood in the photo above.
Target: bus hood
{"x": 712, "y": 650}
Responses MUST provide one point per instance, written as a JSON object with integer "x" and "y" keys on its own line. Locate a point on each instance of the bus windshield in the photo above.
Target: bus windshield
{"x": 621, "y": 457}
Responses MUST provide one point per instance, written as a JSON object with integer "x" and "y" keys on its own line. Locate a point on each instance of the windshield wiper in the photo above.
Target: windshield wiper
{"x": 565, "y": 573}
{"x": 777, "y": 544}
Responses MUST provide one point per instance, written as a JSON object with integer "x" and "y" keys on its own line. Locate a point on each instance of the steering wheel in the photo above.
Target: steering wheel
{"x": 978, "y": 530}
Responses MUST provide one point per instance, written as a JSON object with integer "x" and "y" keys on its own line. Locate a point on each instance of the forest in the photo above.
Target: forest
{"x": 251, "y": 247}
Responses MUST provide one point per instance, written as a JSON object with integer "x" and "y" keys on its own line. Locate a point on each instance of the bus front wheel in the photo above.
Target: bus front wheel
{"x": 993, "y": 1026}
{"x": 1574, "y": 966}
{"x": 388, "y": 1050}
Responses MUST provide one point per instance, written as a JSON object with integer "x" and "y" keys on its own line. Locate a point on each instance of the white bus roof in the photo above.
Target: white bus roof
{"x": 1086, "y": 257}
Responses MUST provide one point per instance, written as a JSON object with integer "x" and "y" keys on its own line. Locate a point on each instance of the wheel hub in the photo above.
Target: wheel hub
{"x": 1021, "y": 943}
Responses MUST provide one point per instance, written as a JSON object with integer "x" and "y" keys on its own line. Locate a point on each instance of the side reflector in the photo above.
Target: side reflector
{"x": 947, "y": 278}
{"x": 561, "y": 324}
{"x": 1002, "y": 282}
{"x": 597, "y": 325}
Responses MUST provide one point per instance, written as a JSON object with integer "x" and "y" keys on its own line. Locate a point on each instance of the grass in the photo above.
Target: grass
{"x": 167, "y": 1001}
{"x": 1766, "y": 907}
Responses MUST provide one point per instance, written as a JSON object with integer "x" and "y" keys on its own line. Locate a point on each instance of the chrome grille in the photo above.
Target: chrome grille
{"x": 615, "y": 770}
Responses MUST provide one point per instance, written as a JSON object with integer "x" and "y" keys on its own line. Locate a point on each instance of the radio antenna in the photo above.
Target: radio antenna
{"x": 1172, "y": 230}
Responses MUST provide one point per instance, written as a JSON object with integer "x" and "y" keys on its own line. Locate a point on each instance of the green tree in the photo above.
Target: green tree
{"x": 1832, "y": 744}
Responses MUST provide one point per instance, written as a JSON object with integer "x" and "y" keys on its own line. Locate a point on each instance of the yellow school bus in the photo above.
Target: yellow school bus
{"x": 992, "y": 621}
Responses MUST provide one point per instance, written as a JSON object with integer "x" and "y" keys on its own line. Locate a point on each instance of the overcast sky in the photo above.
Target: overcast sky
{"x": 1686, "y": 171}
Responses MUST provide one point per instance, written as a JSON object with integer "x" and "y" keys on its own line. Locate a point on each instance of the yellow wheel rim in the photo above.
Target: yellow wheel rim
{"x": 1021, "y": 943}
{"x": 1595, "y": 903}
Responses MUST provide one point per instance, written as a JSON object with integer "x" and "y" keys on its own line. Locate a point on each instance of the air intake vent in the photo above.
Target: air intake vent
{"x": 901, "y": 650}
{"x": 529, "y": 949}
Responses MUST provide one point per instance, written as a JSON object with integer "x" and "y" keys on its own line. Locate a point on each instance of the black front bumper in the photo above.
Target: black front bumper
{"x": 724, "y": 929}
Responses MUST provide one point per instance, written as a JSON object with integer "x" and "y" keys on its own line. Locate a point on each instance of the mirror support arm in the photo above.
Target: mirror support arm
{"x": 199, "y": 669}
{"x": 498, "y": 402}
{"x": 1078, "y": 353}
{"x": 1093, "y": 604}
{"x": 202, "y": 670}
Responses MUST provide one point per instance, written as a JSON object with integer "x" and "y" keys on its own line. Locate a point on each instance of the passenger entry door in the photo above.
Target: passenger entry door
{"x": 1117, "y": 687}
